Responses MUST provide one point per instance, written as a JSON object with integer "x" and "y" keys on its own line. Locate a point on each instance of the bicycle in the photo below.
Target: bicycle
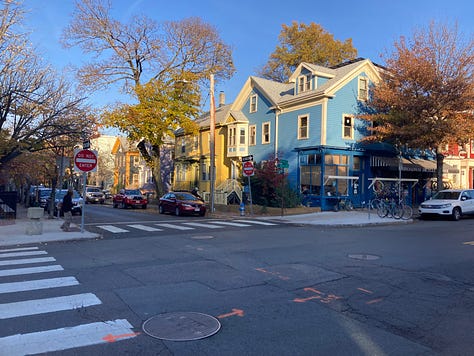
{"x": 344, "y": 203}
{"x": 390, "y": 207}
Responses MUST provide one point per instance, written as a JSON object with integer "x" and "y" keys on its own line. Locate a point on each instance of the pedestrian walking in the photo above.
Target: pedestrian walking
{"x": 66, "y": 208}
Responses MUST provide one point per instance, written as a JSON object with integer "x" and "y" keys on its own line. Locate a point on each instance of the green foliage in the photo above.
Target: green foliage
{"x": 305, "y": 43}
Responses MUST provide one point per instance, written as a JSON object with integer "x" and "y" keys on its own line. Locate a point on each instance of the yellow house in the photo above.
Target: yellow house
{"x": 130, "y": 170}
{"x": 192, "y": 158}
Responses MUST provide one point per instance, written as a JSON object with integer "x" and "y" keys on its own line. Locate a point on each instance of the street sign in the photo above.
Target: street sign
{"x": 283, "y": 164}
{"x": 248, "y": 168}
{"x": 86, "y": 144}
{"x": 247, "y": 158}
{"x": 85, "y": 160}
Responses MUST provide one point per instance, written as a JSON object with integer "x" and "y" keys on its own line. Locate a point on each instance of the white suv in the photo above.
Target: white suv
{"x": 94, "y": 195}
{"x": 449, "y": 202}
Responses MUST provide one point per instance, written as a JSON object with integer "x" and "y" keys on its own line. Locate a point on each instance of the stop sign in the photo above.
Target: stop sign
{"x": 248, "y": 168}
{"x": 85, "y": 160}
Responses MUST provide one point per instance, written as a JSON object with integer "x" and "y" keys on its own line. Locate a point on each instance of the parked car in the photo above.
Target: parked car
{"x": 129, "y": 198}
{"x": 181, "y": 203}
{"x": 107, "y": 194}
{"x": 449, "y": 202}
{"x": 94, "y": 195}
{"x": 77, "y": 202}
{"x": 43, "y": 194}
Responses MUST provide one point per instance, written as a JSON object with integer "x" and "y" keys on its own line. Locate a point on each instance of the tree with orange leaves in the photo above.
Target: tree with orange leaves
{"x": 425, "y": 99}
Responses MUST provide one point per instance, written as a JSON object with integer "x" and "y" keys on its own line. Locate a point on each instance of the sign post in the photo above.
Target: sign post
{"x": 248, "y": 170}
{"x": 85, "y": 161}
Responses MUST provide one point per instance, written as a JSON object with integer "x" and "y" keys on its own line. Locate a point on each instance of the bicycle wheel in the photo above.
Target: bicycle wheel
{"x": 348, "y": 205}
{"x": 374, "y": 204}
{"x": 397, "y": 211}
{"x": 382, "y": 210}
{"x": 407, "y": 212}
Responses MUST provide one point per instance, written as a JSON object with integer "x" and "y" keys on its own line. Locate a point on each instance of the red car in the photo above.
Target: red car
{"x": 181, "y": 203}
{"x": 129, "y": 198}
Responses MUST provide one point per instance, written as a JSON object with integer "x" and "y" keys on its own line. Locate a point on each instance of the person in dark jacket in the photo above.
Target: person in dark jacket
{"x": 66, "y": 208}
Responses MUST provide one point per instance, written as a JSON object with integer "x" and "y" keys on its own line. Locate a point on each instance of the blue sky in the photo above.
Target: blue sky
{"x": 251, "y": 27}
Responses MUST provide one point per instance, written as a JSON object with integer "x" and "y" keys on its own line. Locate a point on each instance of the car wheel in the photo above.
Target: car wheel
{"x": 202, "y": 213}
{"x": 144, "y": 206}
{"x": 456, "y": 214}
{"x": 115, "y": 205}
{"x": 177, "y": 212}
{"x": 124, "y": 206}
{"x": 160, "y": 209}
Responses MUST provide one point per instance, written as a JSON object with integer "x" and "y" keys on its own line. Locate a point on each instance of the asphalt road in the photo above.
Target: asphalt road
{"x": 276, "y": 290}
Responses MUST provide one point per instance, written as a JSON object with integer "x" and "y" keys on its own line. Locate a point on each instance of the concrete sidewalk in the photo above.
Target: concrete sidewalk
{"x": 18, "y": 231}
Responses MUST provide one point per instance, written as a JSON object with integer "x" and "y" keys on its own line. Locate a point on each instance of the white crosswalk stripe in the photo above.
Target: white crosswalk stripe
{"x": 112, "y": 229}
{"x": 66, "y": 338}
{"x": 30, "y": 270}
{"x": 144, "y": 227}
{"x": 229, "y": 223}
{"x": 21, "y": 254}
{"x": 258, "y": 222}
{"x": 47, "y": 305}
{"x": 56, "y": 339}
{"x": 177, "y": 227}
{"x": 25, "y": 261}
{"x": 37, "y": 284}
{"x": 207, "y": 226}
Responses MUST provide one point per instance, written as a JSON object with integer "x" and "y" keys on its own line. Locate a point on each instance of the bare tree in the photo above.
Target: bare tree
{"x": 151, "y": 62}
{"x": 36, "y": 106}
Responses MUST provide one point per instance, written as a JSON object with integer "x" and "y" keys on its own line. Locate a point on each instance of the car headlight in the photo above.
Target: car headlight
{"x": 187, "y": 205}
{"x": 442, "y": 206}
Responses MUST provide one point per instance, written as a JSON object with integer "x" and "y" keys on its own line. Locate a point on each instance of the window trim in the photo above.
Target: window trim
{"x": 266, "y": 124}
{"x": 361, "y": 90}
{"x": 300, "y": 117}
{"x": 253, "y": 105}
{"x": 252, "y": 135}
{"x": 304, "y": 83}
{"x": 351, "y": 117}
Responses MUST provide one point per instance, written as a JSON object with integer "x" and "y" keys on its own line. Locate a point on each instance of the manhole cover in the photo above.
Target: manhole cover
{"x": 362, "y": 256}
{"x": 202, "y": 237}
{"x": 181, "y": 326}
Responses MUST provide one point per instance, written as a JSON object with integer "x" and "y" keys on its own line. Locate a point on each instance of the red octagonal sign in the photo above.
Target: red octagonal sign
{"x": 85, "y": 160}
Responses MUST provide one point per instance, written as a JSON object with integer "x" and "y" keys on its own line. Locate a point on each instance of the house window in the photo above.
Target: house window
{"x": 242, "y": 136}
{"x": 252, "y": 135}
{"x": 304, "y": 83}
{"x": 266, "y": 132}
{"x": 253, "y": 103}
{"x": 348, "y": 131}
{"x": 231, "y": 136}
{"x": 183, "y": 145}
{"x": 363, "y": 89}
{"x": 196, "y": 143}
{"x": 303, "y": 127}
{"x": 204, "y": 171}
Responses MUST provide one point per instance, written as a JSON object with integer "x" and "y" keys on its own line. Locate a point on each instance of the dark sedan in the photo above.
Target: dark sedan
{"x": 181, "y": 203}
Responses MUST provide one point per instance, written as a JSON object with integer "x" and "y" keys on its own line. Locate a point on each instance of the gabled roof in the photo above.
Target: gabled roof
{"x": 283, "y": 94}
{"x": 125, "y": 144}
{"x": 204, "y": 121}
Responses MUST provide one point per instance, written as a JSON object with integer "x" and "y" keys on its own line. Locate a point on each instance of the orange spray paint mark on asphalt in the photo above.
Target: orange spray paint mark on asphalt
{"x": 365, "y": 290}
{"x": 277, "y": 274}
{"x": 113, "y": 338}
{"x": 373, "y": 301}
{"x": 235, "y": 312}
{"x": 322, "y": 297}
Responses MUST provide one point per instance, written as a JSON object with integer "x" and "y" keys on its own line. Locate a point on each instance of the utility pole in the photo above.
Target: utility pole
{"x": 212, "y": 148}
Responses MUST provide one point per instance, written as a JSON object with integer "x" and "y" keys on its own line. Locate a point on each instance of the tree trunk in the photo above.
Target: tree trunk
{"x": 439, "y": 170}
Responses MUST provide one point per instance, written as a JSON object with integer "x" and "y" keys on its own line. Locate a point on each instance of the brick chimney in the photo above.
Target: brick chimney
{"x": 221, "y": 98}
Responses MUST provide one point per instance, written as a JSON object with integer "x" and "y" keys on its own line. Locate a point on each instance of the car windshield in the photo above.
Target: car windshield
{"x": 185, "y": 196}
{"x": 44, "y": 192}
{"x": 60, "y": 194}
{"x": 446, "y": 195}
{"x": 132, "y": 192}
{"x": 94, "y": 190}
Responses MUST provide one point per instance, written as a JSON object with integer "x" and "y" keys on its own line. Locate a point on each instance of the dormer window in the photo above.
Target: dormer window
{"x": 253, "y": 103}
{"x": 304, "y": 83}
